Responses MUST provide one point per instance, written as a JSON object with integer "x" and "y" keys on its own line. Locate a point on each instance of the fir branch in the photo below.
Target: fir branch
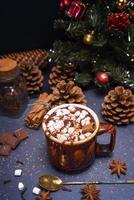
{"x": 61, "y": 24}
{"x": 72, "y": 52}
{"x": 83, "y": 78}
{"x": 122, "y": 76}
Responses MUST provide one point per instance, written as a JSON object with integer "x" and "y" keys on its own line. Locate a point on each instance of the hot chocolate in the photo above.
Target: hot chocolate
{"x": 69, "y": 124}
{"x": 71, "y": 134}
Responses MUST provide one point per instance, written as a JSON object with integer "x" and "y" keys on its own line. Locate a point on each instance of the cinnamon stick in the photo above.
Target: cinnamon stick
{"x": 38, "y": 109}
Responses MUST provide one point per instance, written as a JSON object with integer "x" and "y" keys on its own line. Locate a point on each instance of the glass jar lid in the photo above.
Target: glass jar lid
{"x": 8, "y": 68}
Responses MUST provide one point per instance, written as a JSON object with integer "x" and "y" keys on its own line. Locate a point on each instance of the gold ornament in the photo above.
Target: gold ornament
{"x": 121, "y": 4}
{"x": 88, "y": 38}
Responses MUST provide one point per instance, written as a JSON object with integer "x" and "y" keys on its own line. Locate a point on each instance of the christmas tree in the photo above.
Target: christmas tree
{"x": 99, "y": 39}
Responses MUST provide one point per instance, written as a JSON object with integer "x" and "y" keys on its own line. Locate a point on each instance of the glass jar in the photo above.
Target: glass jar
{"x": 13, "y": 92}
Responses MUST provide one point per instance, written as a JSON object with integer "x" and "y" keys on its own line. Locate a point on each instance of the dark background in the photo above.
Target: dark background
{"x": 27, "y": 24}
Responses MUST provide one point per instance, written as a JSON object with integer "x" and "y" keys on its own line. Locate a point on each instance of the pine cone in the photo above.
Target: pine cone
{"x": 58, "y": 73}
{"x": 33, "y": 76}
{"x": 44, "y": 196}
{"x": 118, "y": 106}
{"x": 67, "y": 92}
{"x": 37, "y": 57}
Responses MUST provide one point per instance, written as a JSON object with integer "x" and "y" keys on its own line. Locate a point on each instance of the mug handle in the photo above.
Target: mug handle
{"x": 106, "y": 149}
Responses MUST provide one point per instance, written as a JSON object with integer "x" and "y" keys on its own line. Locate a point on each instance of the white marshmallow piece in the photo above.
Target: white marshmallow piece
{"x": 21, "y": 186}
{"x": 82, "y": 137}
{"x": 85, "y": 121}
{"x": 77, "y": 113}
{"x": 51, "y": 129}
{"x": 72, "y": 108}
{"x": 78, "y": 119}
{"x": 61, "y": 138}
{"x": 18, "y": 172}
{"x": 59, "y": 113}
{"x": 46, "y": 116}
{"x": 87, "y": 134}
{"x": 36, "y": 190}
{"x": 71, "y": 130}
{"x": 65, "y": 111}
{"x": 51, "y": 123}
{"x": 83, "y": 114}
{"x": 58, "y": 125}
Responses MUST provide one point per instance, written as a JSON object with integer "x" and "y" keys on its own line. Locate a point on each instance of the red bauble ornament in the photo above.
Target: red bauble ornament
{"x": 118, "y": 21}
{"x": 64, "y": 3}
{"x": 76, "y": 10}
{"x": 102, "y": 78}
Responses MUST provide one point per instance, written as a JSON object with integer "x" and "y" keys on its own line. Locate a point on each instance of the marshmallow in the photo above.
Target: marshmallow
{"x": 71, "y": 130}
{"x": 87, "y": 134}
{"x": 65, "y": 117}
{"x": 50, "y": 123}
{"x": 59, "y": 113}
{"x": 85, "y": 121}
{"x": 82, "y": 137}
{"x": 51, "y": 129}
{"x": 65, "y": 111}
{"x": 61, "y": 137}
{"x": 78, "y": 119}
{"x": 36, "y": 190}
{"x": 72, "y": 108}
{"x": 58, "y": 125}
{"x": 18, "y": 172}
{"x": 46, "y": 117}
{"x": 77, "y": 113}
{"x": 83, "y": 114}
{"x": 21, "y": 186}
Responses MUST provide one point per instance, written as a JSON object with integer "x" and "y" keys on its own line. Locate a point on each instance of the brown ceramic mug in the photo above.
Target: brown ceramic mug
{"x": 80, "y": 154}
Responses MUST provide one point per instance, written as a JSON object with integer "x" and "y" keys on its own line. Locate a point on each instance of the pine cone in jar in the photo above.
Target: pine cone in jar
{"x": 67, "y": 92}
{"x": 118, "y": 106}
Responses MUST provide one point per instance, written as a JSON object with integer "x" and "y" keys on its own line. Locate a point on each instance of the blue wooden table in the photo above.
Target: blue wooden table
{"x": 33, "y": 153}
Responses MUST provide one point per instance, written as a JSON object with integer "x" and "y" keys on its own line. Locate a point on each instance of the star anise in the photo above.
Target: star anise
{"x": 44, "y": 196}
{"x": 118, "y": 167}
{"x": 90, "y": 192}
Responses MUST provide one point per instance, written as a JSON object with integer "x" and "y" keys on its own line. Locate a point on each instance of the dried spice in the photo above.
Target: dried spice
{"x": 118, "y": 167}
{"x": 34, "y": 118}
{"x": 22, "y": 194}
{"x": 44, "y": 196}
{"x": 19, "y": 162}
{"x": 7, "y": 181}
{"x": 90, "y": 192}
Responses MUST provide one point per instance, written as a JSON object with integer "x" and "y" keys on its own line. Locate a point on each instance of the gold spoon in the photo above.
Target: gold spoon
{"x": 54, "y": 183}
